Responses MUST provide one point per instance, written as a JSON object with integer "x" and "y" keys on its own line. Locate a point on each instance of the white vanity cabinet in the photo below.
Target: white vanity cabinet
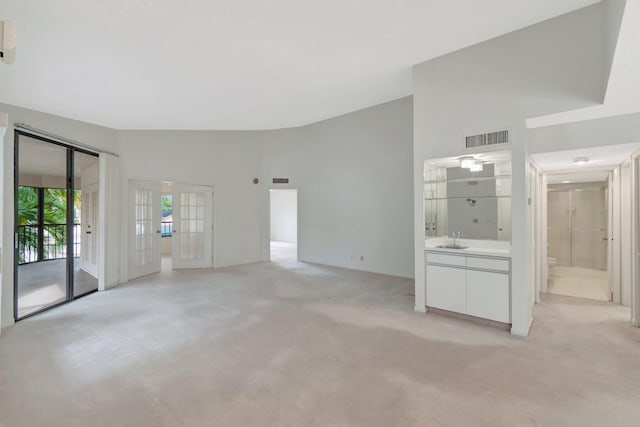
{"x": 475, "y": 285}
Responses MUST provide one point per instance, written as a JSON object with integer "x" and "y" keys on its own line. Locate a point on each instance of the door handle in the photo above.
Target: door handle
{"x": 157, "y": 231}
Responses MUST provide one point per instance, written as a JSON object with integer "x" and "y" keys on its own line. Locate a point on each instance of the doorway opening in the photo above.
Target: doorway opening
{"x": 283, "y": 225}
{"x": 166, "y": 226}
{"x": 588, "y": 225}
{"x": 56, "y": 224}
{"x": 578, "y": 236}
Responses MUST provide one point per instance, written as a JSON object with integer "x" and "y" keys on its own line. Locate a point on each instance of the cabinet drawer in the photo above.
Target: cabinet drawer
{"x": 440, "y": 258}
{"x": 488, "y": 263}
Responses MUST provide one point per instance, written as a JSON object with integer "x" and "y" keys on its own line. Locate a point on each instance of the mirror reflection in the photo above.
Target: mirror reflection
{"x": 469, "y": 196}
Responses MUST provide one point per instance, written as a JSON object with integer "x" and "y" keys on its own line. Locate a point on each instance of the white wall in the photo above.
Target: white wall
{"x": 283, "y": 215}
{"x": 97, "y": 136}
{"x": 553, "y": 66}
{"x": 593, "y": 133}
{"x": 226, "y": 160}
{"x": 354, "y": 183}
{"x": 613, "y": 13}
{"x": 351, "y": 170}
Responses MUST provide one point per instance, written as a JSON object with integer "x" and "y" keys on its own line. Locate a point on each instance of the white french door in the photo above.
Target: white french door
{"x": 89, "y": 236}
{"x": 144, "y": 228}
{"x": 192, "y": 239}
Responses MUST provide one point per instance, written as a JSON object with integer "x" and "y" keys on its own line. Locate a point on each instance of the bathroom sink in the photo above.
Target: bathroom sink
{"x": 452, "y": 246}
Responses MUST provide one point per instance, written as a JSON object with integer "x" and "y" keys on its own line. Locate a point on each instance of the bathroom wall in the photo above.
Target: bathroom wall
{"x": 475, "y": 217}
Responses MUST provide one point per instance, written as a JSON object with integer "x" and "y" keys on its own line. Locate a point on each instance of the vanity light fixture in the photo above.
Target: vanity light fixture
{"x": 476, "y": 166}
{"x": 580, "y": 160}
{"x": 467, "y": 162}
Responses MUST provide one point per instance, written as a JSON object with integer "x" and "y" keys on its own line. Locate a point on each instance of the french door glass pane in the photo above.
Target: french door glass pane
{"x": 191, "y": 226}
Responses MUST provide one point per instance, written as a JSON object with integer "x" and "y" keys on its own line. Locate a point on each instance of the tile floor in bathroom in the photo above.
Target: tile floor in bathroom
{"x": 579, "y": 282}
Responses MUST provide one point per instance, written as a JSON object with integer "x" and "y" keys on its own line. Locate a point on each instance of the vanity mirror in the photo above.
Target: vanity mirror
{"x": 469, "y": 195}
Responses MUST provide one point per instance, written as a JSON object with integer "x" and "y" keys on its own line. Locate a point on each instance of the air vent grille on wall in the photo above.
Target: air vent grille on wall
{"x": 491, "y": 138}
{"x": 280, "y": 180}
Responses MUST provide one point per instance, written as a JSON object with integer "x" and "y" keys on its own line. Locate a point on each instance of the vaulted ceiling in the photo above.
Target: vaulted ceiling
{"x": 241, "y": 64}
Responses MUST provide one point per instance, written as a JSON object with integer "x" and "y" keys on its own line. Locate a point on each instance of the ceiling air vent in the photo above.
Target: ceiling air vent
{"x": 491, "y": 138}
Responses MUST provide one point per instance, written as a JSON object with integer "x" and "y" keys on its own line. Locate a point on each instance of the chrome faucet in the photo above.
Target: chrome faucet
{"x": 455, "y": 235}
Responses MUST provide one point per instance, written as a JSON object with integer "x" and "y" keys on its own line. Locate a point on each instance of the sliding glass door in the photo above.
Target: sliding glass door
{"x": 49, "y": 181}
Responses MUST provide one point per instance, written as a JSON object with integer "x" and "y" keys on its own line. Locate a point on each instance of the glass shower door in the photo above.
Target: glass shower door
{"x": 589, "y": 229}
{"x": 577, "y": 227}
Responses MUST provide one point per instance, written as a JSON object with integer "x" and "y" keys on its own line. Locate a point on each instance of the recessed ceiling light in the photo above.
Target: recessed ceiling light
{"x": 566, "y": 182}
{"x": 580, "y": 160}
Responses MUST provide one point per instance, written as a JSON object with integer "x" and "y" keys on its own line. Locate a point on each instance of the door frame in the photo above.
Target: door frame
{"x": 125, "y": 249}
{"x": 613, "y": 268}
{"x": 70, "y": 195}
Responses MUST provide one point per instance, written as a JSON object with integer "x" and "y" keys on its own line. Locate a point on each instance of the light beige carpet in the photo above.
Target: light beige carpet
{"x": 295, "y": 344}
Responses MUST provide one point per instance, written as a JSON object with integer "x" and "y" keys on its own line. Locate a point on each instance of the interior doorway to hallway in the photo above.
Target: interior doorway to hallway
{"x": 576, "y": 255}
{"x": 283, "y": 225}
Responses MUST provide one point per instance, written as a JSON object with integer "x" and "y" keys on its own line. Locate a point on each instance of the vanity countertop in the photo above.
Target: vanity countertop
{"x": 474, "y": 248}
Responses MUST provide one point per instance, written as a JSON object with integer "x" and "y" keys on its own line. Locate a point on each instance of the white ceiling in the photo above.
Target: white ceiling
{"x": 587, "y": 176}
{"x": 241, "y": 64}
{"x": 599, "y": 158}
